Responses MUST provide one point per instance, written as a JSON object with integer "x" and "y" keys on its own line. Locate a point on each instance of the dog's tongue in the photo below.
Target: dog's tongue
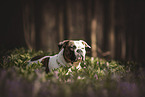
{"x": 80, "y": 57}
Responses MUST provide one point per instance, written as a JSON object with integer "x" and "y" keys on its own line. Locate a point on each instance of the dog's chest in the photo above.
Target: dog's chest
{"x": 53, "y": 62}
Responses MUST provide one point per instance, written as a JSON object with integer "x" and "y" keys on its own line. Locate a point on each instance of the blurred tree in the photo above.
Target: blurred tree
{"x": 112, "y": 27}
{"x": 28, "y": 23}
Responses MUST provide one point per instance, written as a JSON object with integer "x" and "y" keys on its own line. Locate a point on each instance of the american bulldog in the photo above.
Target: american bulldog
{"x": 72, "y": 53}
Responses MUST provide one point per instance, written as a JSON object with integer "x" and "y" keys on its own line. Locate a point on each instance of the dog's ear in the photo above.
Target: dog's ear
{"x": 63, "y": 44}
{"x": 86, "y": 45}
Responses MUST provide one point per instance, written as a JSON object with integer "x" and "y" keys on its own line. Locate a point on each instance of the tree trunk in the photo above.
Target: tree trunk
{"x": 28, "y": 23}
{"x": 61, "y": 20}
{"x": 112, "y": 28}
{"x": 75, "y": 19}
{"x": 88, "y": 17}
{"x": 46, "y": 25}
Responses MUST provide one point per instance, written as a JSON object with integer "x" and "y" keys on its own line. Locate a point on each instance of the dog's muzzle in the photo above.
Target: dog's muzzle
{"x": 79, "y": 55}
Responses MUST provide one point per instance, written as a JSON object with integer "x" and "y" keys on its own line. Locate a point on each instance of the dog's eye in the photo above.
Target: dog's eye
{"x": 74, "y": 47}
{"x": 83, "y": 48}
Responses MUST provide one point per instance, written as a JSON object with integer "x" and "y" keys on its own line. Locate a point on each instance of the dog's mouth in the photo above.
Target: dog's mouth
{"x": 78, "y": 58}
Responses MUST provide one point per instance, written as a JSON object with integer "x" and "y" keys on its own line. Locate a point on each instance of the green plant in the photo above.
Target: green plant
{"x": 97, "y": 77}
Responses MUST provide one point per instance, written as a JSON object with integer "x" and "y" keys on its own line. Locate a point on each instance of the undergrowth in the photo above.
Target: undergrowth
{"x": 98, "y": 77}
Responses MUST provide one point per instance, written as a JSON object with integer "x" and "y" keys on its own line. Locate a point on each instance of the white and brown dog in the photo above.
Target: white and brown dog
{"x": 72, "y": 53}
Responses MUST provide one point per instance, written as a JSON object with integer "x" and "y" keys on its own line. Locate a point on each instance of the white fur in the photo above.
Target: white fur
{"x": 81, "y": 46}
{"x": 55, "y": 61}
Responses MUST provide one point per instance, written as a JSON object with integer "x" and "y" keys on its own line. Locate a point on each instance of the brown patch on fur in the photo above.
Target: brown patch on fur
{"x": 75, "y": 64}
{"x": 37, "y": 57}
{"x": 45, "y": 63}
{"x": 63, "y": 44}
{"x": 69, "y": 54}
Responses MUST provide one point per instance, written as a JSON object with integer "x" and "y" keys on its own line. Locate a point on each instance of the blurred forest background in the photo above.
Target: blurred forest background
{"x": 114, "y": 28}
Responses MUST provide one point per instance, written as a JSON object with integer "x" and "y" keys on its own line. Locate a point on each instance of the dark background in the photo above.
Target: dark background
{"x": 114, "y": 28}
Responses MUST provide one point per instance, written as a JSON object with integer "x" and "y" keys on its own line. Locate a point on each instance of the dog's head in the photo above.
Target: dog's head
{"x": 74, "y": 50}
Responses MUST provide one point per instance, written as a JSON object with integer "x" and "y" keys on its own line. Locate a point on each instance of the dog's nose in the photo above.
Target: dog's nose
{"x": 79, "y": 51}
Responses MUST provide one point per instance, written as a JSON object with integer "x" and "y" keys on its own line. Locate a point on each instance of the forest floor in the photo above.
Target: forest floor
{"x": 97, "y": 78}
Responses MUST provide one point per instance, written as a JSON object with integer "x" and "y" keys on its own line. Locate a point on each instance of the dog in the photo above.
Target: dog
{"x": 72, "y": 53}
